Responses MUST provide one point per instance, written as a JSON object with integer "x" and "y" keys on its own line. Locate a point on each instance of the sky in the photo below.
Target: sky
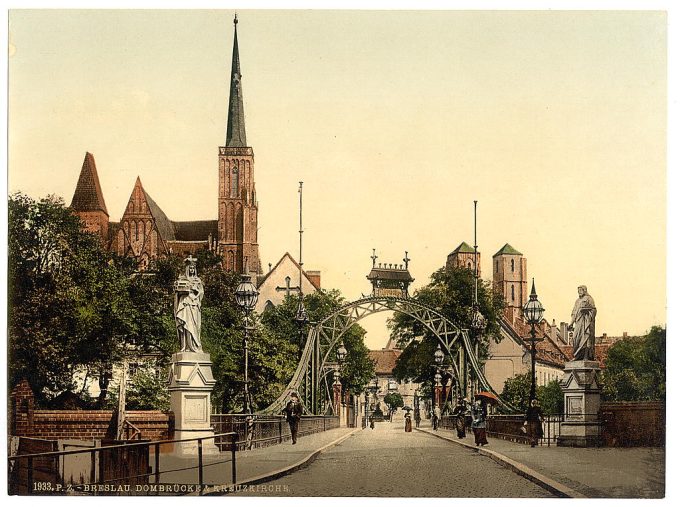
{"x": 396, "y": 121}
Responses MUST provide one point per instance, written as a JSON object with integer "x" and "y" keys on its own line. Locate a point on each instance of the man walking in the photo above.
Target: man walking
{"x": 293, "y": 414}
{"x": 436, "y": 416}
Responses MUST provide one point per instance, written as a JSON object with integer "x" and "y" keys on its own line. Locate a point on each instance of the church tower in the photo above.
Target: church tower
{"x": 510, "y": 278}
{"x": 88, "y": 200}
{"x": 237, "y": 202}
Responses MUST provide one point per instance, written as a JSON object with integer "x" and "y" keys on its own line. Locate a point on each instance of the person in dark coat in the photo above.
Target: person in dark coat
{"x": 293, "y": 414}
{"x": 459, "y": 413}
{"x": 417, "y": 418}
{"x": 479, "y": 423}
{"x": 534, "y": 423}
{"x": 407, "y": 423}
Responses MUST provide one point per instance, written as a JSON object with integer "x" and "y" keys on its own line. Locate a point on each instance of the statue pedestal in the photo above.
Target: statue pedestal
{"x": 191, "y": 383}
{"x": 582, "y": 389}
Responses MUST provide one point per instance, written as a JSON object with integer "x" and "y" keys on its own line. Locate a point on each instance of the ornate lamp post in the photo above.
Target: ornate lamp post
{"x": 340, "y": 355}
{"x": 533, "y": 313}
{"x": 246, "y": 298}
{"x": 438, "y": 361}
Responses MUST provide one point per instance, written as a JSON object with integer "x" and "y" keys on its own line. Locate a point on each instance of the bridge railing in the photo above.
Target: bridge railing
{"x": 268, "y": 430}
{"x": 121, "y": 469}
{"x": 511, "y": 427}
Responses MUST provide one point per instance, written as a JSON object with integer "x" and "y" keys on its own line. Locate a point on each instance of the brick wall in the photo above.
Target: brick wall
{"x": 81, "y": 424}
{"x": 633, "y": 424}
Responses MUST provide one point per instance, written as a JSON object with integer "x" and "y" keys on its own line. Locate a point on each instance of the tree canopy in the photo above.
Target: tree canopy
{"x": 358, "y": 368}
{"x": 451, "y": 292}
{"x": 635, "y": 368}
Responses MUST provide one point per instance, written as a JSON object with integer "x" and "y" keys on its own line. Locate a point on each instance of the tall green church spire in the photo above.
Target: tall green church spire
{"x": 236, "y": 123}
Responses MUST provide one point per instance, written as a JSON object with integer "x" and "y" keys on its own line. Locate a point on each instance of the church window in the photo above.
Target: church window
{"x": 512, "y": 292}
{"x": 234, "y": 181}
{"x": 512, "y": 265}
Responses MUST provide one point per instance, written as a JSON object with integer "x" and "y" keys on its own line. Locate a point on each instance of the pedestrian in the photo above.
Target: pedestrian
{"x": 534, "y": 423}
{"x": 479, "y": 423}
{"x": 293, "y": 414}
{"x": 417, "y": 418}
{"x": 407, "y": 423}
{"x": 459, "y": 414}
{"x": 371, "y": 422}
{"x": 436, "y": 416}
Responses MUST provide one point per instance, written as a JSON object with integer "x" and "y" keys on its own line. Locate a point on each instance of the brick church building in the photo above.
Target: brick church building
{"x": 145, "y": 232}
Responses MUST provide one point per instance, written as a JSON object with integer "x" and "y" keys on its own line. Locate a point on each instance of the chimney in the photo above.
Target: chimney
{"x": 315, "y": 278}
{"x": 625, "y": 335}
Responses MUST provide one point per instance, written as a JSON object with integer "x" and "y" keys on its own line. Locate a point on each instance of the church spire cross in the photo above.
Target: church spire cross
{"x": 374, "y": 257}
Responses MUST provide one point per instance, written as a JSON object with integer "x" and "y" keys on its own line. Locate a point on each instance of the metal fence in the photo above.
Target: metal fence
{"x": 262, "y": 431}
{"x": 127, "y": 468}
{"x": 511, "y": 427}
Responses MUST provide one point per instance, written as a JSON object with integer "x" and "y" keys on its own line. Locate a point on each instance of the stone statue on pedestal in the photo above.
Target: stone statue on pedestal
{"x": 188, "y": 299}
{"x": 583, "y": 324}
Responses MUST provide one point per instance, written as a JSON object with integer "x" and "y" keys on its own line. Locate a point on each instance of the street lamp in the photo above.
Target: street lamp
{"x": 341, "y": 353}
{"x": 246, "y": 298}
{"x": 533, "y": 313}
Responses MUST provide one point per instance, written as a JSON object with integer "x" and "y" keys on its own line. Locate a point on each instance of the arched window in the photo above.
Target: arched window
{"x": 512, "y": 265}
{"x": 512, "y": 292}
{"x": 233, "y": 192}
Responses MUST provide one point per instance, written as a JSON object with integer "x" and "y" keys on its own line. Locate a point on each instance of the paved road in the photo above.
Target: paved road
{"x": 389, "y": 462}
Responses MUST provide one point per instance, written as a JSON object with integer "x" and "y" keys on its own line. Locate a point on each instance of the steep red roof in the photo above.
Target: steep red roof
{"x": 385, "y": 360}
{"x": 88, "y": 195}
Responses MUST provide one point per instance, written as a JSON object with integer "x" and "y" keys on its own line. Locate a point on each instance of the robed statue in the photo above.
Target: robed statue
{"x": 583, "y": 325}
{"x": 188, "y": 299}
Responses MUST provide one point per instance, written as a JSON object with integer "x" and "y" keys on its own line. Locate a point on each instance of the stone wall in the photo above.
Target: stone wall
{"x": 633, "y": 424}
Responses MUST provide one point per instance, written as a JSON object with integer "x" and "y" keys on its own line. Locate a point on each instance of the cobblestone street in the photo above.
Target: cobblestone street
{"x": 389, "y": 462}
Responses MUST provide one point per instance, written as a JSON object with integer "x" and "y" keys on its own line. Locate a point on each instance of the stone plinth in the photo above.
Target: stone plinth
{"x": 191, "y": 382}
{"x": 582, "y": 389}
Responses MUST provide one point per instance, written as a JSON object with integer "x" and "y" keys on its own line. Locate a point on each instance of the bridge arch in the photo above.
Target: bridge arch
{"x": 311, "y": 375}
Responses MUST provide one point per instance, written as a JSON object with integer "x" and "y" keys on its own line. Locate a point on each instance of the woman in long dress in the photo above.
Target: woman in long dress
{"x": 459, "y": 413}
{"x": 479, "y": 423}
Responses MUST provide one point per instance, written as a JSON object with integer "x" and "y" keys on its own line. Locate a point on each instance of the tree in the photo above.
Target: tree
{"x": 393, "y": 401}
{"x": 517, "y": 389}
{"x": 147, "y": 391}
{"x": 635, "y": 368}
{"x": 450, "y": 292}
{"x": 358, "y": 368}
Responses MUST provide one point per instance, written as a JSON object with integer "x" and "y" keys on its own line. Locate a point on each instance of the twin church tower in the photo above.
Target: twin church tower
{"x": 145, "y": 232}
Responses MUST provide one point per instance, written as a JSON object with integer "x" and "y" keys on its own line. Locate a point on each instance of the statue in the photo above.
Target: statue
{"x": 583, "y": 324}
{"x": 188, "y": 298}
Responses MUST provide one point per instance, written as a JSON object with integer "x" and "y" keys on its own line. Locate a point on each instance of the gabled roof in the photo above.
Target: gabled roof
{"x": 507, "y": 250}
{"x": 463, "y": 248}
{"x": 385, "y": 360}
{"x": 261, "y": 280}
{"x": 88, "y": 195}
{"x": 163, "y": 224}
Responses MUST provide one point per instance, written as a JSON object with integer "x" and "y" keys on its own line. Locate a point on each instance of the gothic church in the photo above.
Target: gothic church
{"x": 145, "y": 232}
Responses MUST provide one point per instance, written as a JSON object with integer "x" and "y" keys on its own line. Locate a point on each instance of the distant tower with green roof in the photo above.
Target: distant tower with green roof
{"x": 510, "y": 277}
{"x": 463, "y": 257}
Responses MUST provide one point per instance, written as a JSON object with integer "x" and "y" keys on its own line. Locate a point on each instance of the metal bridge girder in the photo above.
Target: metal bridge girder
{"x": 322, "y": 338}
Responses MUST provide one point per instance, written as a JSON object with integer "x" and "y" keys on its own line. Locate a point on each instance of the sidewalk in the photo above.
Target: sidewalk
{"x": 612, "y": 472}
{"x": 254, "y": 466}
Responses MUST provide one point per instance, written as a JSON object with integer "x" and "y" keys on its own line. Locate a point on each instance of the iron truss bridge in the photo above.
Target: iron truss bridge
{"x": 314, "y": 373}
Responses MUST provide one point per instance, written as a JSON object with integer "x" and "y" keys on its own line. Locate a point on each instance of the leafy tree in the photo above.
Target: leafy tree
{"x": 635, "y": 368}
{"x": 451, "y": 292}
{"x": 551, "y": 398}
{"x": 517, "y": 389}
{"x": 394, "y": 401}
{"x": 147, "y": 391}
{"x": 358, "y": 368}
